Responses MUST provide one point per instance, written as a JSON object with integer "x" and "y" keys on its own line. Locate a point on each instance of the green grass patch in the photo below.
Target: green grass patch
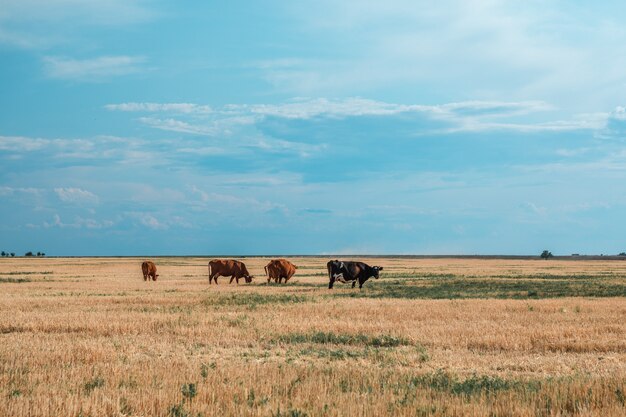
{"x": 319, "y": 274}
{"x": 295, "y": 283}
{"x": 460, "y": 288}
{"x": 14, "y": 280}
{"x": 557, "y": 277}
{"x": 343, "y": 339}
{"x": 254, "y": 299}
{"x": 97, "y": 382}
{"x": 474, "y": 385}
{"x": 333, "y": 354}
{"x": 416, "y": 275}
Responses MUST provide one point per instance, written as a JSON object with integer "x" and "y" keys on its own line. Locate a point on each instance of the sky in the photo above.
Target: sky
{"x": 139, "y": 127}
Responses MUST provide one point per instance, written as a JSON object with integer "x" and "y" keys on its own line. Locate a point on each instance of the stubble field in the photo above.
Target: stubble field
{"x": 441, "y": 337}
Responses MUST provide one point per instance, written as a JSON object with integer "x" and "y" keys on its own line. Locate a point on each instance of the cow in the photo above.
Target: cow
{"x": 278, "y": 269}
{"x": 228, "y": 268}
{"x": 344, "y": 271}
{"x": 149, "y": 271}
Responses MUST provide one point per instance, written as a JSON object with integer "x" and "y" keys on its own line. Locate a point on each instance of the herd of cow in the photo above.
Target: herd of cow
{"x": 279, "y": 269}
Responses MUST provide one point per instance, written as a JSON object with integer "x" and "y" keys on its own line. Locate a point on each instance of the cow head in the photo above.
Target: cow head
{"x": 155, "y": 277}
{"x": 248, "y": 279}
{"x": 376, "y": 270}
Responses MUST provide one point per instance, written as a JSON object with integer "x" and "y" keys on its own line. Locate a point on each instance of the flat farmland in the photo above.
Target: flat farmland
{"x": 442, "y": 337}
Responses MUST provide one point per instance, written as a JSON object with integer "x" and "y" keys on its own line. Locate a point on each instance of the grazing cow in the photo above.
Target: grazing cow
{"x": 228, "y": 268}
{"x": 149, "y": 271}
{"x": 344, "y": 271}
{"x": 278, "y": 269}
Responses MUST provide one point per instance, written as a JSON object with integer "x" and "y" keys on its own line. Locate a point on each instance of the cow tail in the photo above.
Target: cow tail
{"x": 266, "y": 270}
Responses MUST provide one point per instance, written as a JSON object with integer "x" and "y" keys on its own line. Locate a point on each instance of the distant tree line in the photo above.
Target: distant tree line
{"x": 29, "y": 253}
{"x": 546, "y": 254}
{"x": 33, "y": 254}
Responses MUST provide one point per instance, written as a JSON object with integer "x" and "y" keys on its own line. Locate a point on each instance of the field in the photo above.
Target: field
{"x": 441, "y": 337}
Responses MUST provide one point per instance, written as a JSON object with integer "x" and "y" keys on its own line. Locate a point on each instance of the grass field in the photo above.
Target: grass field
{"x": 441, "y": 337}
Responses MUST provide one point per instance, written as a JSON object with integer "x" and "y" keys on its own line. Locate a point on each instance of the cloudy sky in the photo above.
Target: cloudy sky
{"x": 141, "y": 127}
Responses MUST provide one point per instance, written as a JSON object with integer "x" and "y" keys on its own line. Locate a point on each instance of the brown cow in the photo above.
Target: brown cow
{"x": 228, "y": 267}
{"x": 149, "y": 271}
{"x": 279, "y": 269}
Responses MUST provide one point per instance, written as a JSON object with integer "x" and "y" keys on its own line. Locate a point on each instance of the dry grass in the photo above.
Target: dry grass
{"x": 88, "y": 337}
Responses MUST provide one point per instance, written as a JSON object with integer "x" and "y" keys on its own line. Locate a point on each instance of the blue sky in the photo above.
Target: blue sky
{"x": 462, "y": 127}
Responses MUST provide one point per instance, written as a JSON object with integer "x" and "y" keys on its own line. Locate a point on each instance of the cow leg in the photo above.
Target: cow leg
{"x": 330, "y": 284}
{"x": 145, "y": 277}
{"x": 361, "y": 284}
{"x": 354, "y": 283}
{"x": 231, "y": 279}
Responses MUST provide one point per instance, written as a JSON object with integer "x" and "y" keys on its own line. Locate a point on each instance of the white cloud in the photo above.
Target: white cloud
{"x": 76, "y": 196}
{"x": 493, "y": 108}
{"x": 21, "y": 143}
{"x": 24, "y": 39}
{"x": 463, "y": 116}
{"x": 121, "y": 150}
{"x": 249, "y": 202}
{"x": 78, "y": 223}
{"x": 485, "y": 49}
{"x": 232, "y": 200}
{"x": 92, "y": 69}
{"x": 9, "y": 191}
{"x": 151, "y": 222}
{"x": 282, "y": 146}
{"x": 35, "y": 24}
{"x": 148, "y": 220}
{"x": 204, "y": 196}
{"x": 204, "y": 150}
{"x": 472, "y": 125}
{"x": 568, "y": 153}
{"x": 534, "y": 208}
{"x": 187, "y": 108}
{"x": 614, "y": 125}
{"x": 619, "y": 113}
{"x": 174, "y": 125}
{"x": 309, "y": 108}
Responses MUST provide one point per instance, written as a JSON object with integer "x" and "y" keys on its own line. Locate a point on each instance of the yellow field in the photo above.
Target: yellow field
{"x": 88, "y": 337}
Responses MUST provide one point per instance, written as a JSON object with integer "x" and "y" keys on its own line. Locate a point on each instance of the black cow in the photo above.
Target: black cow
{"x": 344, "y": 271}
